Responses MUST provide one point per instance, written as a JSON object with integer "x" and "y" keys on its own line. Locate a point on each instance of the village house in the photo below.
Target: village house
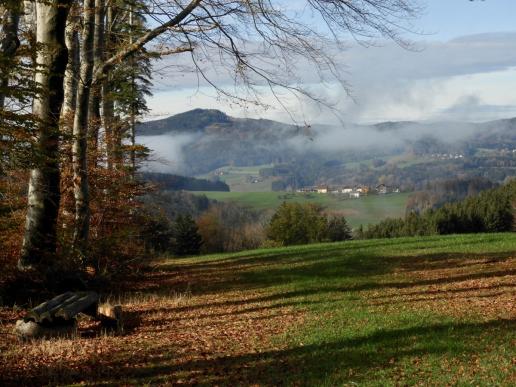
{"x": 362, "y": 189}
{"x": 381, "y": 189}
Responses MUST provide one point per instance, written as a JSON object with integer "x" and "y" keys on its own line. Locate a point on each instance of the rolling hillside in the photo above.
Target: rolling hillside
{"x": 406, "y": 154}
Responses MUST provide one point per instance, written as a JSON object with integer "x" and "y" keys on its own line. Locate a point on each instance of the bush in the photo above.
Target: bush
{"x": 296, "y": 224}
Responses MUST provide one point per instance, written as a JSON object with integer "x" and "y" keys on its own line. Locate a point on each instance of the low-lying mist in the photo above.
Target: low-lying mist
{"x": 181, "y": 153}
{"x": 385, "y": 135}
{"x": 167, "y": 152}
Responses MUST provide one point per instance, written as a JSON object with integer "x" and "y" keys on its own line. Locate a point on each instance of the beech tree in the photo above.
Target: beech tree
{"x": 39, "y": 242}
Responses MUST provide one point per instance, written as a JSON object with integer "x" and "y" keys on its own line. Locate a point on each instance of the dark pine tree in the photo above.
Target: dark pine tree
{"x": 338, "y": 229}
{"x": 187, "y": 240}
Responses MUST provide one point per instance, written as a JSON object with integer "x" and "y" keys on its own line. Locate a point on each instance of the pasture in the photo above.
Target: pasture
{"x": 365, "y": 210}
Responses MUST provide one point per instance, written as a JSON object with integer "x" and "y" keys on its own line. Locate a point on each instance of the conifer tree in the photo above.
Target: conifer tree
{"x": 187, "y": 240}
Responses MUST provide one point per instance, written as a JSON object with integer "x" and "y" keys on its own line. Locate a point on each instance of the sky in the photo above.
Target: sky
{"x": 462, "y": 68}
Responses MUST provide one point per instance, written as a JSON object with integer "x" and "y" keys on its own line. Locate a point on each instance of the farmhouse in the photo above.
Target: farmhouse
{"x": 306, "y": 190}
{"x": 381, "y": 189}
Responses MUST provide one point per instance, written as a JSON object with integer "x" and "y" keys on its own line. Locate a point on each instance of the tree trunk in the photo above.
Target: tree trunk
{"x": 98, "y": 58}
{"x": 132, "y": 114}
{"x": 39, "y": 242}
{"x": 29, "y": 18}
{"x": 9, "y": 43}
{"x": 71, "y": 80}
{"x": 80, "y": 133}
{"x": 29, "y": 11}
{"x": 108, "y": 108}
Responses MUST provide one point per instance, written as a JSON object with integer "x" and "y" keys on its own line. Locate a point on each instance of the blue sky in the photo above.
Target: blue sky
{"x": 464, "y": 69}
{"x": 451, "y": 18}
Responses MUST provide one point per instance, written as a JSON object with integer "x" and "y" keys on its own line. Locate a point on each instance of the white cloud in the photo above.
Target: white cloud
{"x": 388, "y": 83}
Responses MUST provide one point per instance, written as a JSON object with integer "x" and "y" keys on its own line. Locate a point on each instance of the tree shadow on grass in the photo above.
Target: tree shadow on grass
{"x": 312, "y": 279}
{"x": 340, "y": 271}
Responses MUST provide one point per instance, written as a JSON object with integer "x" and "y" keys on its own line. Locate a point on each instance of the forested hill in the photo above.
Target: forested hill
{"x": 210, "y": 139}
{"x": 210, "y": 121}
{"x": 170, "y": 182}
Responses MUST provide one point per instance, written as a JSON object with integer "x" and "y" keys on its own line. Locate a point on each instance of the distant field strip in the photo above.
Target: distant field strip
{"x": 367, "y": 209}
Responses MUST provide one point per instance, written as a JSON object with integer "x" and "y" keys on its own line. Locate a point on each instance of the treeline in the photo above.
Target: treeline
{"x": 439, "y": 192}
{"x": 491, "y": 211}
{"x": 228, "y": 227}
{"x": 223, "y": 227}
{"x": 171, "y": 182}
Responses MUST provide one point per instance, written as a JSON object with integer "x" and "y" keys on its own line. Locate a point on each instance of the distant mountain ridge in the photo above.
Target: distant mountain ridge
{"x": 319, "y": 154}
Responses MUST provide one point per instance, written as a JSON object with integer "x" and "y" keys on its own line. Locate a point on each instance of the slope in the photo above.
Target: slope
{"x": 406, "y": 311}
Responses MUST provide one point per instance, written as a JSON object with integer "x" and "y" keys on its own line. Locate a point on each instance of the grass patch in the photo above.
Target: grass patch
{"x": 240, "y": 179}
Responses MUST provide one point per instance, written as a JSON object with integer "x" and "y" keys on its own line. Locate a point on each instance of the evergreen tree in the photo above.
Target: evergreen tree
{"x": 187, "y": 240}
{"x": 338, "y": 229}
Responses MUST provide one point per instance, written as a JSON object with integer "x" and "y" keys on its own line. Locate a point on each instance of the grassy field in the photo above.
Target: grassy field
{"x": 411, "y": 311}
{"x": 240, "y": 179}
{"x": 368, "y": 209}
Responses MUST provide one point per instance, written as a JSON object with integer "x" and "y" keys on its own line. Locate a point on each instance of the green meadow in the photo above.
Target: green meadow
{"x": 411, "y": 311}
{"x": 367, "y": 209}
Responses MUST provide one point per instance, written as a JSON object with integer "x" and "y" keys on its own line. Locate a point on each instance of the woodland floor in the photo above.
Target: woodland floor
{"x": 409, "y": 311}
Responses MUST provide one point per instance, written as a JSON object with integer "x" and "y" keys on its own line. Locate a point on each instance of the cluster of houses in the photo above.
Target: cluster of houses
{"x": 353, "y": 192}
{"x": 447, "y": 156}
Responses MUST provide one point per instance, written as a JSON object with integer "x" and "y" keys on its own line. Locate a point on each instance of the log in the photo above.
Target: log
{"x": 49, "y": 315}
{"x": 71, "y": 309}
{"x": 65, "y": 306}
{"x": 110, "y": 316}
{"x": 32, "y": 330}
{"x": 35, "y": 313}
{"x": 109, "y": 312}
